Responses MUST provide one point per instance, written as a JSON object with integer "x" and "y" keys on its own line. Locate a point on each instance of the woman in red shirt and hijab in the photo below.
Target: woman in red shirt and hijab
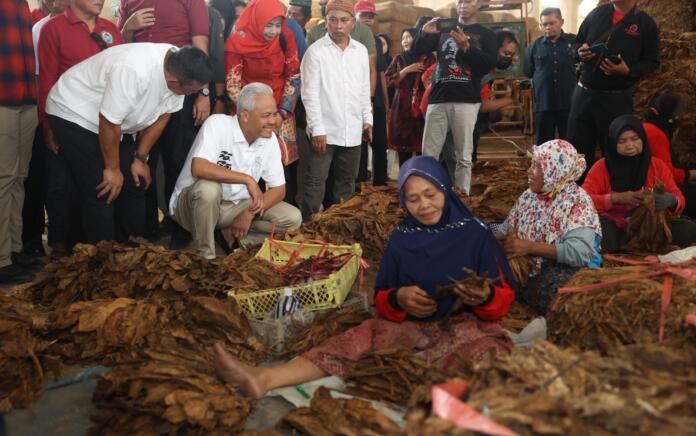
{"x": 262, "y": 49}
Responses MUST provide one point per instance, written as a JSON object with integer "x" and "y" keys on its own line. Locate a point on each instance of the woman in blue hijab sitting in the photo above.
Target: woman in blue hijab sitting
{"x": 429, "y": 249}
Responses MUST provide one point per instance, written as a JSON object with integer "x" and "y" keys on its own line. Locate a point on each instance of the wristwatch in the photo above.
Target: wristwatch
{"x": 142, "y": 159}
{"x": 204, "y": 91}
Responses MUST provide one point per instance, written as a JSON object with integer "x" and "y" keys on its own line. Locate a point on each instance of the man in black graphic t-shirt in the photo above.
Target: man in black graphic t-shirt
{"x": 464, "y": 56}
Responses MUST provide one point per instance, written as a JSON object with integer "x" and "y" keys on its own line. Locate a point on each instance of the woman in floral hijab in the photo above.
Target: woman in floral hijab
{"x": 554, "y": 221}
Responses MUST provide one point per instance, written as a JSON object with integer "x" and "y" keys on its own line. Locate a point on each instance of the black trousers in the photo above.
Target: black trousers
{"x": 174, "y": 146}
{"x": 689, "y": 191}
{"x": 591, "y": 112}
{"x": 33, "y": 218}
{"x": 91, "y": 219}
{"x": 379, "y": 150}
{"x": 548, "y": 122}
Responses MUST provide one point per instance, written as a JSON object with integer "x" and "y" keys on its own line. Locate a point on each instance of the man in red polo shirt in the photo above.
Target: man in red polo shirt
{"x": 181, "y": 22}
{"x": 66, "y": 40}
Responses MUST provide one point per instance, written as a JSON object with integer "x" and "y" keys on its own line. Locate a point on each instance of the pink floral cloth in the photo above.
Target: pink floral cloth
{"x": 441, "y": 343}
{"x": 563, "y": 206}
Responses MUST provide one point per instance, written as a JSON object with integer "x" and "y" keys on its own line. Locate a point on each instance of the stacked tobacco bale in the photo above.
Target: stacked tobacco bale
{"x": 394, "y": 16}
{"x": 627, "y": 312}
{"x": 20, "y": 365}
{"x": 370, "y": 216}
{"x": 671, "y": 15}
{"x": 677, "y": 73}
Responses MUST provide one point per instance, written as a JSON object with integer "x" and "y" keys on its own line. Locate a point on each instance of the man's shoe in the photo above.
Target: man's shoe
{"x": 14, "y": 274}
{"x": 181, "y": 238}
{"x": 21, "y": 259}
{"x": 34, "y": 248}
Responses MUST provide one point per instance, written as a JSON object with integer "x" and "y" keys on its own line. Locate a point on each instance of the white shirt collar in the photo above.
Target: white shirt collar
{"x": 329, "y": 42}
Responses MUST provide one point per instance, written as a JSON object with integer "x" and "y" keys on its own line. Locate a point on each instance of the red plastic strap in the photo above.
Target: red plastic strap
{"x": 447, "y": 405}
{"x": 627, "y": 261}
{"x": 666, "y": 299}
{"x": 608, "y": 283}
{"x": 691, "y": 319}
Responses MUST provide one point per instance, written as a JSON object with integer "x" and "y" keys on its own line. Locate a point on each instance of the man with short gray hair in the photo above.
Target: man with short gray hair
{"x": 218, "y": 186}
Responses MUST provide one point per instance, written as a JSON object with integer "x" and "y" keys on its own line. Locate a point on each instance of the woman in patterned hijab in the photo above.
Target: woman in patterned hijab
{"x": 554, "y": 221}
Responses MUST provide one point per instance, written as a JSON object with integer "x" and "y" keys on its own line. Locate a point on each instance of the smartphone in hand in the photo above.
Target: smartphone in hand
{"x": 446, "y": 25}
{"x": 600, "y": 48}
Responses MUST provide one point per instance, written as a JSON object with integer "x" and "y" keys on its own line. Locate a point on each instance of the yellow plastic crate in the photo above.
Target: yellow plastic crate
{"x": 322, "y": 294}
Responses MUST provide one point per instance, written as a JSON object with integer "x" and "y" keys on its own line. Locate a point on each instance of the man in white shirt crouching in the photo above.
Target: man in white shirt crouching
{"x": 218, "y": 187}
{"x": 336, "y": 96}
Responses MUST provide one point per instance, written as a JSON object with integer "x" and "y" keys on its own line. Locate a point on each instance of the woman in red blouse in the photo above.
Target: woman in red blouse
{"x": 616, "y": 184}
{"x": 661, "y": 119}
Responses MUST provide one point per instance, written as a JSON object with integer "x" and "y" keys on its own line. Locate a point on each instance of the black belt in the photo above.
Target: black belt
{"x": 609, "y": 91}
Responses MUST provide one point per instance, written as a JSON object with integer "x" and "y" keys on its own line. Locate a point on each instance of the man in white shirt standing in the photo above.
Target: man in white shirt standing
{"x": 97, "y": 107}
{"x": 218, "y": 186}
{"x": 336, "y": 95}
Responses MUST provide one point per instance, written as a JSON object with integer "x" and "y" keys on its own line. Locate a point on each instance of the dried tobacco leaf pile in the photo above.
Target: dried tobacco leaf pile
{"x": 645, "y": 389}
{"x": 496, "y": 187}
{"x": 20, "y": 365}
{"x": 329, "y": 416}
{"x": 324, "y": 326}
{"x": 172, "y": 390}
{"x": 677, "y": 72}
{"x": 625, "y": 313}
{"x": 370, "y": 216}
{"x": 647, "y": 228}
{"x": 393, "y": 375}
{"x": 110, "y": 270}
{"x": 675, "y": 15}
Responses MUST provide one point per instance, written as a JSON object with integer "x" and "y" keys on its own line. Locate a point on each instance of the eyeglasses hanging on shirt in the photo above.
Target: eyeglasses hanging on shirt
{"x": 99, "y": 40}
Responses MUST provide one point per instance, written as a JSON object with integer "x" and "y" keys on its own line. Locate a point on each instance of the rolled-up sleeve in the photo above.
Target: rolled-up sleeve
{"x": 577, "y": 247}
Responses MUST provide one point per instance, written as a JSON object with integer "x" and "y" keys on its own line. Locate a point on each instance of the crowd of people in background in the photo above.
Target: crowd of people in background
{"x": 219, "y": 123}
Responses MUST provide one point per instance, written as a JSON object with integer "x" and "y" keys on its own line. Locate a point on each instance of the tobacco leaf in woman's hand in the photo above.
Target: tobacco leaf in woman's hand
{"x": 472, "y": 296}
{"x": 416, "y": 301}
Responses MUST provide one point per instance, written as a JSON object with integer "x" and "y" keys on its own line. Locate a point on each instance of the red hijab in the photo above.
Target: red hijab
{"x": 247, "y": 37}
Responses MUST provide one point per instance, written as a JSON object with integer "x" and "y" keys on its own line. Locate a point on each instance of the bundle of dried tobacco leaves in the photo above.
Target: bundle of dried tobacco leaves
{"x": 20, "y": 364}
{"x": 647, "y": 228}
{"x": 329, "y": 416}
{"x": 173, "y": 389}
{"x": 624, "y": 313}
{"x": 647, "y": 389}
{"x": 113, "y": 331}
{"x": 394, "y": 375}
{"x": 111, "y": 270}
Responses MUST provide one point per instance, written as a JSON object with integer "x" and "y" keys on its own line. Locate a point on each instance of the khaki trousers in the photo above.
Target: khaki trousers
{"x": 460, "y": 118}
{"x": 17, "y": 128}
{"x": 200, "y": 210}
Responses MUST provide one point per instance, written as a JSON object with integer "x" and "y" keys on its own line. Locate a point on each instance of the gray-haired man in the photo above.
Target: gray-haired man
{"x": 218, "y": 187}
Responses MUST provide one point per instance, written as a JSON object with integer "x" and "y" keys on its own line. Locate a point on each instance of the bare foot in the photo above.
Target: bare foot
{"x": 232, "y": 371}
